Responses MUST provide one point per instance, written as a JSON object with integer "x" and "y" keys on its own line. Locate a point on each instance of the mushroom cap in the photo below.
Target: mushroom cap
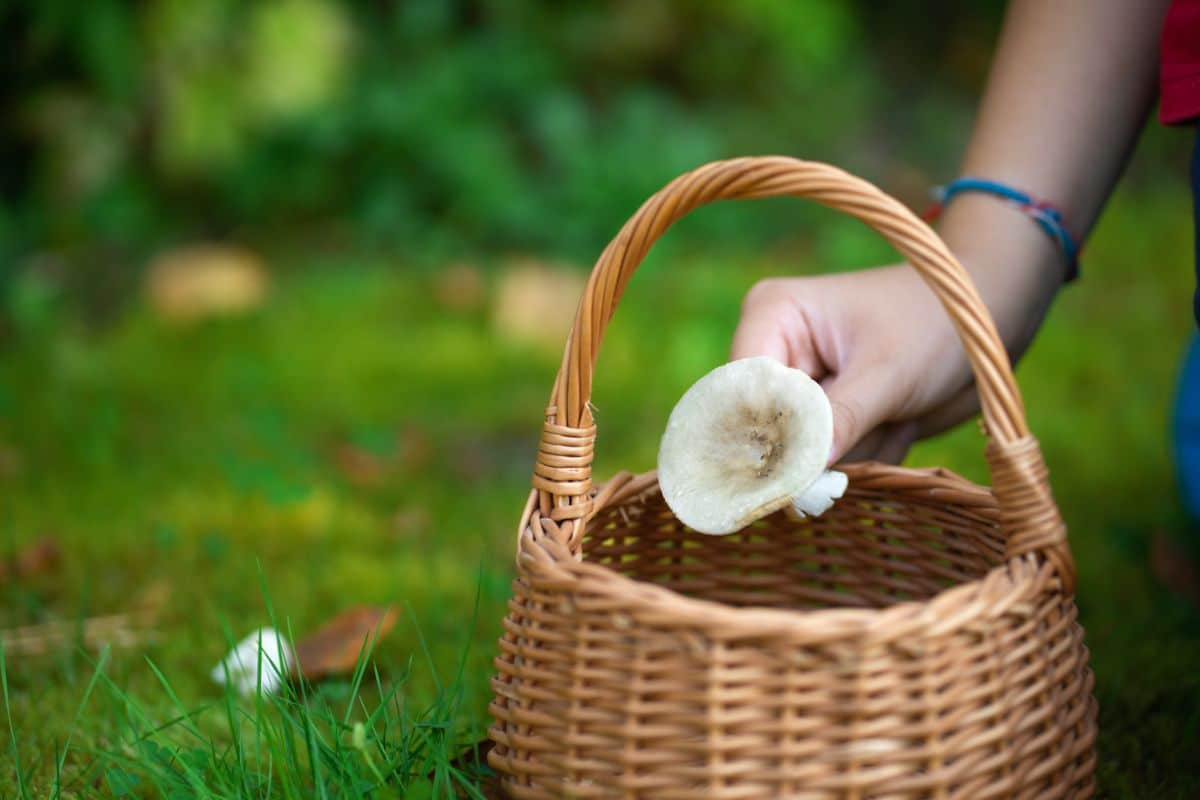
{"x": 741, "y": 442}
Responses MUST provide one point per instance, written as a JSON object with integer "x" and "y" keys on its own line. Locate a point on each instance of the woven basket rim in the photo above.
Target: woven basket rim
{"x": 1016, "y": 580}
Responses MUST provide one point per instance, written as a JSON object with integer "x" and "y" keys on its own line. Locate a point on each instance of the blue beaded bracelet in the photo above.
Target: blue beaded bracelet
{"x": 1047, "y": 216}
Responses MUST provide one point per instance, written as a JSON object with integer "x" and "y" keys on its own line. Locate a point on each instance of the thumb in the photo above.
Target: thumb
{"x": 759, "y": 334}
{"x": 776, "y": 327}
{"x": 861, "y": 402}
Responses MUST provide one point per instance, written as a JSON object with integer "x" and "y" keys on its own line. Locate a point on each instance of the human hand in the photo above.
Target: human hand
{"x": 880, "y": 345}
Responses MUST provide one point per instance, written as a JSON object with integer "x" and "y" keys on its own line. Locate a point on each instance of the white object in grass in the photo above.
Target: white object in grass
{"x": 263, "y": 659}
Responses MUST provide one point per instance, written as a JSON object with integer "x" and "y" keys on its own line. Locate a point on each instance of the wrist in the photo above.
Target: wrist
{"x": 1016, "y": 267}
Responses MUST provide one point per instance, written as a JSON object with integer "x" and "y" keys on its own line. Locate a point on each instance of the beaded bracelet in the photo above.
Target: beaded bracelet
{"x": 1047, "y": 216}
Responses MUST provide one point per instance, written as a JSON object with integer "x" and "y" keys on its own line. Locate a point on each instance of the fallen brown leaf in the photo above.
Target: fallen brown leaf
{"x": 475, "y": 454}
{"x": 471, "y": 461}
{"x": 39, "y": 557}
{"x": 1172, "y": 565}
{"x": 415, "y": 448}
{"x": 10, "y": 461}
{"x": 535, "y": 302}
{"x": 361, "y": 467}
{"x": 412, "y": 450}
{"x": 153, "y": 598}
{"x": 130, "y": 629}
{"x": 411, "y": 523}
{"x": 199, "y": 281}
{"x": 461, "y": 288}
{"x": 334, "y": 648}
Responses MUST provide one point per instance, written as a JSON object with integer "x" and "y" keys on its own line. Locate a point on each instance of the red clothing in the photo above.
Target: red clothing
{"x": 1179, "y": 72}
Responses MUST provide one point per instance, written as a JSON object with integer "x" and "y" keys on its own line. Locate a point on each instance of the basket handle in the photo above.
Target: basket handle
{"x": 1029, "y": 518}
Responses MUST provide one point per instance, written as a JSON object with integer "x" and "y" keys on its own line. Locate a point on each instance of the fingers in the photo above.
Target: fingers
{"x": 865, "y": 449}
{"x": 862, "y": 400}
{"x": 774, "y": 324}
{"x": 759, "y": 333}
{"x": 891, "y": 441}
{"x": 867, "y": 339}
{"x": 888, "y": 443}
{"x": 895, "y": 445}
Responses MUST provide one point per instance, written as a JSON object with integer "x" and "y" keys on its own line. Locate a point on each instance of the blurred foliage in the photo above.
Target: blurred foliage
{"x": 362, "y": 437}
{"x": 366, "y": 433}
{"x": 433, "y": 126}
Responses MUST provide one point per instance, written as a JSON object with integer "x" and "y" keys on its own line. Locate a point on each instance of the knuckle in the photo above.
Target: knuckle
{"x": 764, "y": 293}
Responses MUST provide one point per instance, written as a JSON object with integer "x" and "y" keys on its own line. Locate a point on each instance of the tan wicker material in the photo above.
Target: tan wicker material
{"x": 917, "y": 640}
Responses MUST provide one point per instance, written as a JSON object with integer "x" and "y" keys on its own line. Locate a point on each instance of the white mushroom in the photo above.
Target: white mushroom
{"x": 263, "y": 648}
{"x": 747, "y": 439}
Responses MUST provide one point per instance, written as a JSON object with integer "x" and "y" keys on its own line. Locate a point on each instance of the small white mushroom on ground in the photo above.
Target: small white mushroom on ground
{"x": 747, "y": 439}
{"x": 242, "y": 663}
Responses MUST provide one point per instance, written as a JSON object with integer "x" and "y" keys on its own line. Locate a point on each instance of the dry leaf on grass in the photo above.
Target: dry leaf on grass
{"x": 360, "y": 467}
{"x": 535, "y": 302}
{"x": 39, "y": 557}
{"x": 412, "y": 451}
{"x": 117, "y": 630}
{"x": 191, "y": 283}
{"x": 1174, "y": 566}
{"x": 335, "y": 647}
{"x": 411, "y": 523}
{"x": 10, "y": 461}
{"x": 415, "y": 448}
{"x": 460, "y": 288}
{"x": 153, "y": 597}
{"x": 127, "y": 630}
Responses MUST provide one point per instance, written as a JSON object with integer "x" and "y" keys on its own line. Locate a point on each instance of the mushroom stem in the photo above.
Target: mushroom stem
{"x": 820, "y": 494}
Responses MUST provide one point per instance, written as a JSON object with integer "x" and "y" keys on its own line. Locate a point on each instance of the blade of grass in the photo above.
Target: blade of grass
{"x": 101, "y": 660}
{"x": 12, "y": 730}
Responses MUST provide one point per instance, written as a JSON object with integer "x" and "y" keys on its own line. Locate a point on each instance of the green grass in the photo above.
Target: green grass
{"x": 359, "y": 737}
{"x": 202, "y": 459}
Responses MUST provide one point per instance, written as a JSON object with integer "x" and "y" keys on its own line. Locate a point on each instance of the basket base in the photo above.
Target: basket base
{"x": 885, "y": 649}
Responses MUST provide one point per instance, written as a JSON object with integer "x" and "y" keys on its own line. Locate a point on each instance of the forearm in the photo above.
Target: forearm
{"x": 1070, "y": 87}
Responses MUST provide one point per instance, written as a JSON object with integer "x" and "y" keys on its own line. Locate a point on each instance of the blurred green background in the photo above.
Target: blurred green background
{"x": 281, "y": 298}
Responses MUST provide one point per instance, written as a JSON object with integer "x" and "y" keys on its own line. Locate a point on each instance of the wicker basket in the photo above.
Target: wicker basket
{"x": 918, "y": 640}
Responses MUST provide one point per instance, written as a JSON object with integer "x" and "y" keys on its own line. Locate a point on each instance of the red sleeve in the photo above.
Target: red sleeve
{"x": 1179, "y": 73}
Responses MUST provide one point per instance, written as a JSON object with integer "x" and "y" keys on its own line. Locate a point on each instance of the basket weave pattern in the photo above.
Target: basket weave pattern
{"x": 917, "y": 640}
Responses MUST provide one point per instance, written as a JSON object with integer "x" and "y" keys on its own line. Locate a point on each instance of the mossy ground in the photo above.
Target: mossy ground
{"x": 205, "y": 459}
